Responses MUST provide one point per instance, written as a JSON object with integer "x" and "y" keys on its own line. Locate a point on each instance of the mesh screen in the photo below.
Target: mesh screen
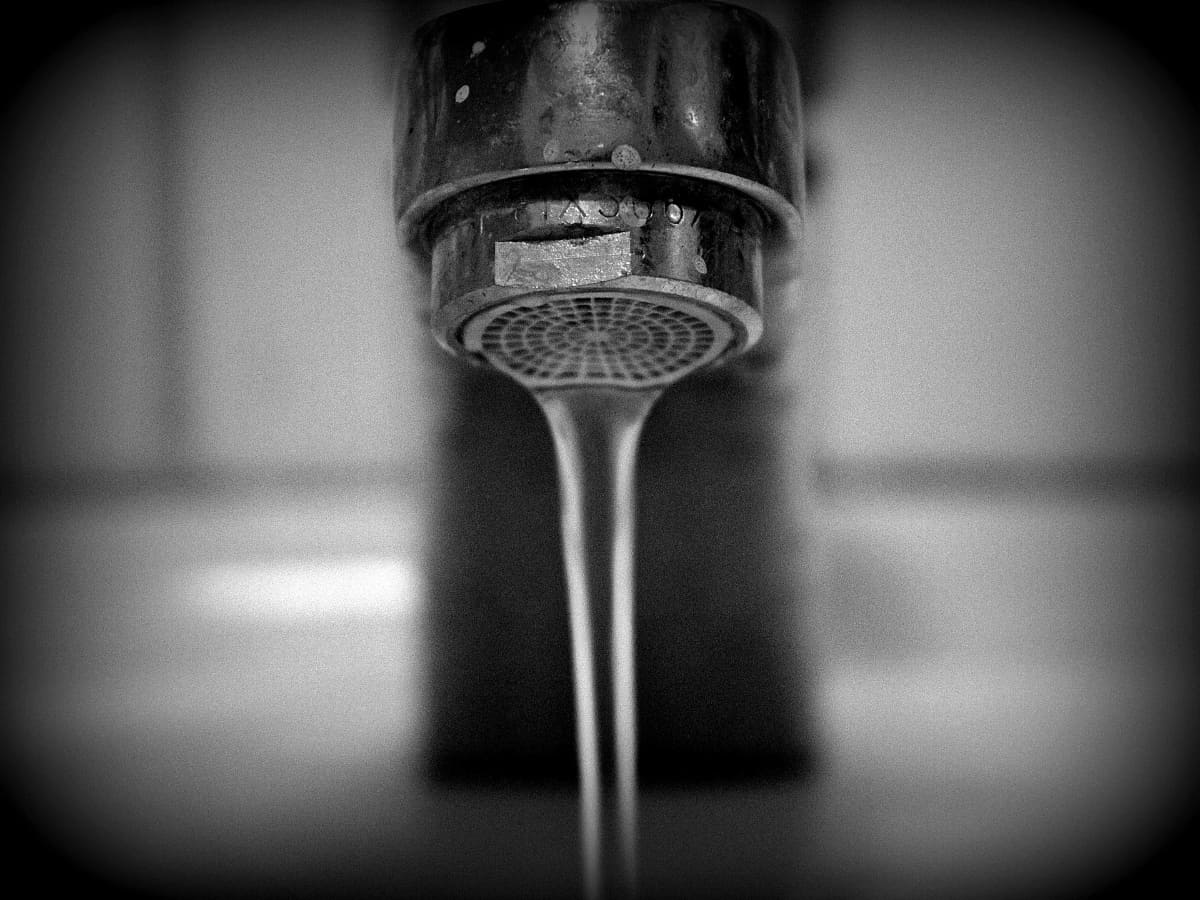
{"x": 576, "y": 339}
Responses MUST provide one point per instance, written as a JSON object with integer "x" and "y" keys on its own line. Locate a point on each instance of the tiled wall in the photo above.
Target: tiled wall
{"x": 201, "y": 264}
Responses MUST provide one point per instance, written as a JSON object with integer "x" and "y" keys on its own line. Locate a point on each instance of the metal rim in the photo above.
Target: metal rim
{"x": 782, "y": 214}
{"x": 447, "y": 322}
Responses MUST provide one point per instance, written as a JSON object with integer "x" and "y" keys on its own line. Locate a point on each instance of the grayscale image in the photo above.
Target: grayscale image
{"x": 600, "y": 449}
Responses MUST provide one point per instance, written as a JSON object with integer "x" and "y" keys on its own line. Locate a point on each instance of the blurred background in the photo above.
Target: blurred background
{"x": 219, "y": 426}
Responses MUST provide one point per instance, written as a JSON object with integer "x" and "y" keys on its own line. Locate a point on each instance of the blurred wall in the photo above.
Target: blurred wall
{"x": 200, "y": 267}
{"x": 1008, "y": 227}
{"x": 992, "y": 359}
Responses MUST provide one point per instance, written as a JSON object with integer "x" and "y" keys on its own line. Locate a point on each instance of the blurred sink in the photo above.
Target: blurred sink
{"x": 226, "y": 694}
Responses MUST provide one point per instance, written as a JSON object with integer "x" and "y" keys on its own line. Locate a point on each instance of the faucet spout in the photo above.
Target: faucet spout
{"x": 598, "y": 187}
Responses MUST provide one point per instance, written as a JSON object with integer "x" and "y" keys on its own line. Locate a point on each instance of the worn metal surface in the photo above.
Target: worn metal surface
{"x": 698, "y": 90}
{"x": 701, "y": 246}
{"x": 674, "y": 126}
{"x": 564, "y": 263}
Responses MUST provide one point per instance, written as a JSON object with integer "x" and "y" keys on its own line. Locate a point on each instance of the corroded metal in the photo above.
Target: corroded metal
{"x": 686, "y": 239}
{"x": 570, "y": 262}
{"x": 693, "y": 90}
{"x": 619, "y": 151}
{"x": 674, "y": 124}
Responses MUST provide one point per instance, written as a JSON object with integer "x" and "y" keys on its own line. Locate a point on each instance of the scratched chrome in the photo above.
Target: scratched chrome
{"x": 570, "y": 262}
{"x": 612, "y": 148}
{"x": 705, "y": 249}
{"x": 696, "y": 90}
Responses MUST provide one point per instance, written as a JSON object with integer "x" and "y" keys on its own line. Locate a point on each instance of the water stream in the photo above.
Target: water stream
{"x": 596, "y": 433}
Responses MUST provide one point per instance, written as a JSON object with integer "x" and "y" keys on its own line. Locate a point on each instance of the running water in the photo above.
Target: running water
{"x": 596, "y": 434}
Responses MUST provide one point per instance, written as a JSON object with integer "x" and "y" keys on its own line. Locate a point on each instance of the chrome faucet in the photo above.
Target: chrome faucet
{"x": 642, "y": 161}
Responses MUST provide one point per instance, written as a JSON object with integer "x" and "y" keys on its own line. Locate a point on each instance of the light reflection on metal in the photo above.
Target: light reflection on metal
{"x": 675, "y": 124}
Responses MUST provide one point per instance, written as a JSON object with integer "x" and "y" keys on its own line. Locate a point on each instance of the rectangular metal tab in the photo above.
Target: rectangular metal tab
{"x": 571, "y": 262}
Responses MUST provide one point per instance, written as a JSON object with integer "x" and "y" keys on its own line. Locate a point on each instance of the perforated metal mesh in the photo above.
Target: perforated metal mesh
{"x": 574, "y": 339}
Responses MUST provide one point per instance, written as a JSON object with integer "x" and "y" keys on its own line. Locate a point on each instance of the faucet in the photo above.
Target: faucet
{"x": 640, "y": 162}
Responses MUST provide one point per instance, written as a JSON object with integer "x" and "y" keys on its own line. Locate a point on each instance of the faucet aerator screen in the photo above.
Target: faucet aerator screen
{"x": 594, "y": 184}
{"x": 614, "y": 339}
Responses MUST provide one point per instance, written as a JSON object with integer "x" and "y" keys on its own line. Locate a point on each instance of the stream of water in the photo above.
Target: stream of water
{"x": 596, "y": 433}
